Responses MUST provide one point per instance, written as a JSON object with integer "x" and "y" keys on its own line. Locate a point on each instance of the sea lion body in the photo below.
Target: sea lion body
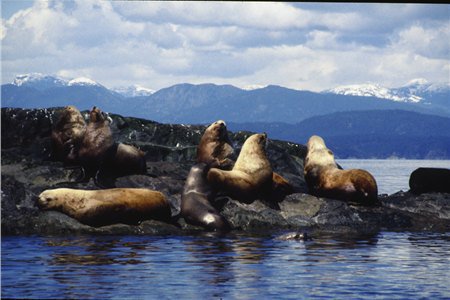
{"x": 325, "y": 179}
{"x": 110, "y": 206}
{"x": 430, "y": 180}
{"x": 96, "y": 142}
{"x": 67, "y": 135}
{"x": 251, "y": 173}
{"x": 215, "y": 146}
{"x": 121, "y": 160}
{"x": 196, "y": 199}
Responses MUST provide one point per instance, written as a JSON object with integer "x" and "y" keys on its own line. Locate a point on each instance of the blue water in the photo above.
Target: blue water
{"x": 392, "y": 175}
{"x": 387, "y": 265}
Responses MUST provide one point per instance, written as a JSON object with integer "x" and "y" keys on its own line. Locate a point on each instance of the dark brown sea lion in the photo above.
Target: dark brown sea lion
{"x": 325, "y": 179}
{"x": 67, "y": 135}
{"x": 251, "y": 174}
{"x": 110, "y": 206}
{"x": 196, "y": 200}
{"x": 121, "y": 160}
{"x": 430, "y": 180}
{"x": 215, "y": 146}
{"x": 96, "y": 142}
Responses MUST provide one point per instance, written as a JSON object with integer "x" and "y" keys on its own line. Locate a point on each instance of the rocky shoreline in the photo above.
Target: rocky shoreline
{"x": 170, "y": 152}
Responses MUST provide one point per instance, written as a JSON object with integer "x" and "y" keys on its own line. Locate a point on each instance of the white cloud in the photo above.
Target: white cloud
{"x": 157, "y": 44}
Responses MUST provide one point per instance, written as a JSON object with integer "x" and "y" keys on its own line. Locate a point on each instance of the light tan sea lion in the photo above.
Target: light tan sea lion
{"x": 67, "y": 135}
{"x": 215, "y": 146}
{"x": 96, "y": 142}
{"x": 325, "y": 179}
{"x": 110, "y": 206}
{"x": 251, "y": 174}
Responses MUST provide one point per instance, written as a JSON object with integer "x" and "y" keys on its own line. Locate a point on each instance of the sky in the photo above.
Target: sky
{"x": 301, "y": 45}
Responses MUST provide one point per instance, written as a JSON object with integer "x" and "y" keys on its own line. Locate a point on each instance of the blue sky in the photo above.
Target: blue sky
{"x": 312, "y": 46}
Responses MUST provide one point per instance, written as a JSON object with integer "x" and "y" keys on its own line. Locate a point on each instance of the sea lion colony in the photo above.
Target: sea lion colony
{"x": 215, "y": 174}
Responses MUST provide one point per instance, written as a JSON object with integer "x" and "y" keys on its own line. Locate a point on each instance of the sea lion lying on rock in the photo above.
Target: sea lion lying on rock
{"x": 67, "y": 135}
{"x": 121, "y": 160}
{"x": 110, "y": 206}
{"x": 430, "y": 180}
{"x": 251, "y": 174}
{"x": 325, "y": 179}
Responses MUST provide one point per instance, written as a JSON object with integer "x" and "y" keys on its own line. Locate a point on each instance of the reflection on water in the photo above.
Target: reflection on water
{"x": 236, "y": 266}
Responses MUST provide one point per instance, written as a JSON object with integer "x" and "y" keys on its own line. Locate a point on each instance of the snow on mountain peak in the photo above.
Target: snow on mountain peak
{"x": 417, "y": 81}
{"x": 252, "y": 87}
{"x": 82, "y": 81}
{"x": 134, "y": 91}
{"x": 366, "y": 90}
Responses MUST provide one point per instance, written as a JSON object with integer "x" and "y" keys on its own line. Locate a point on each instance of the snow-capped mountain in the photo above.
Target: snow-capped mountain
{"x": 415, "y": 91}
{"x": 134, "y": 91}
{"x": 252, "y": 87}
{"x": 42, "y": 82}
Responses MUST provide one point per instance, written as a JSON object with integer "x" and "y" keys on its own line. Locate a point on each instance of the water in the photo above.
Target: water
{"x": 236, "y": 266}
{"x": 391, "y": 175}
{"x": 387, "y": 265}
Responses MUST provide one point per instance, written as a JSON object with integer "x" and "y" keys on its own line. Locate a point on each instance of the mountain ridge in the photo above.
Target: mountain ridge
{"x": 204, "y": 103}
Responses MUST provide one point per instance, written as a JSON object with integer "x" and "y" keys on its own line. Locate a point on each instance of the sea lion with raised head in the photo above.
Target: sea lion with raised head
{"x": 215, "y": 146}
{"x": 251, "y": 174}
{"x": 110, "y": 206}
{"x": 67, "y": 135}
{"x": 196, "y": 200}
{"x": 96, "y": 142}
{"x": 325, "y": 179}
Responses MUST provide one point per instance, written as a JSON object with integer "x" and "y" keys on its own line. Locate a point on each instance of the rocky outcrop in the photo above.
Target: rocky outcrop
{"x": 170, "y": 152}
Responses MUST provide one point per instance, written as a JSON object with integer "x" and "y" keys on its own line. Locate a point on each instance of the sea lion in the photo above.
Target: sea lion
{"x": 121, "y": 160}
{"x": 96, "y": 142}
{"x": 196, "y": 199}
{"x": 325, "y": 179}
{"x": 67, "y": 135}
{"x": 104, "y": 207}
{"x": 430, "y": 180}
{"x": 251, "y": 173}
{"x": 215, "y": 146}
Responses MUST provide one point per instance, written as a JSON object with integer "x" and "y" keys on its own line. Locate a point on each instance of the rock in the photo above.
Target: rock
{"x": 170, "y": 152}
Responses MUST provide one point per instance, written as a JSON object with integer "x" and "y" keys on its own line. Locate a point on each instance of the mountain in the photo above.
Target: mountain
{"x": 40, "y": 91}
{"x": 367, "y": 134}
{"x": 415, "y": 91}
{"x": 204, "y": 103}
{"x": 134, "y": 91}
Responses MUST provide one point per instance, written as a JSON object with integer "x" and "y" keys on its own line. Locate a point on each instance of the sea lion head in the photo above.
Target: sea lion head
{"x": 96, "y": 115}
{"x": 71, "y": 114}
{"x": 48, "y": 199}
{"x": 215, "y": 145}
{"x": 254, "y": 147}
{"x": 315, "y": 142}
{"x": 318, "y": 154}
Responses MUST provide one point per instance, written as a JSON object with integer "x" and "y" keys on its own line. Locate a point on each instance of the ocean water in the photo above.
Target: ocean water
{"x": 385, "y": 265}
{"x": 236, "y": 266}
{"x": 392, "y": 175}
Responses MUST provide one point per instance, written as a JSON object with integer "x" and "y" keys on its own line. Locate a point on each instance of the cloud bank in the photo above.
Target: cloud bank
{"x": 308, "y": 46}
